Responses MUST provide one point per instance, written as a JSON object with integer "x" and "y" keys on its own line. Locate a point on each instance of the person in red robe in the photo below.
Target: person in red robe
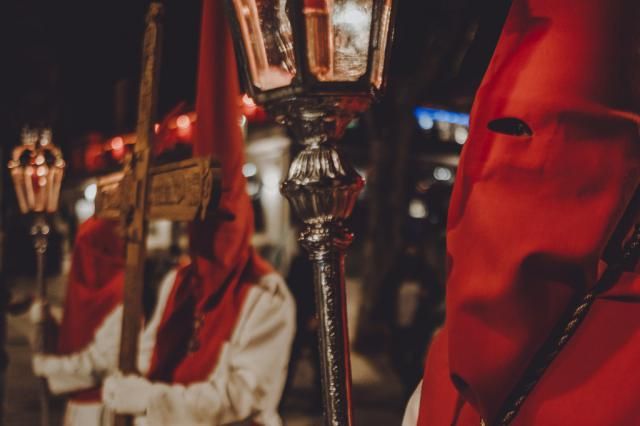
{"x": 550, "y": 168}
{"x": 216, "y": 349}
{"x": 94, "y": 291}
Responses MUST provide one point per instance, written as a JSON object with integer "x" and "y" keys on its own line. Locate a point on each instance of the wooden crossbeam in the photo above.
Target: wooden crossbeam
{"x": 181, "y": 191}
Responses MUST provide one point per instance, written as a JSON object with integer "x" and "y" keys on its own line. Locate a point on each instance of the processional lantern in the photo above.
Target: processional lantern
{"x": 37, "y": 169}
{"x": 314, "y": 65}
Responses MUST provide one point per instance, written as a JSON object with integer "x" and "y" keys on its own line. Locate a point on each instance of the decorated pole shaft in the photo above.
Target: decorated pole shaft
{"x": 333, "y": 336}
{"x": 135, "y": 206}
{"x": 322, "y": 189}
{"x": 40, "y": 234}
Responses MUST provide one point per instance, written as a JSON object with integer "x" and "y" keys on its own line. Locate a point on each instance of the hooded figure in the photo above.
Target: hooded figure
{"x": 551, "y": 165}
{"x": 216, "y": 349}
{"x": 94, "y": 291}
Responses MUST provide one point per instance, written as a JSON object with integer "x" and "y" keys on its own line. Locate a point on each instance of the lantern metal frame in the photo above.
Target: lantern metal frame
{"x": 37, "y": 156}
{"x": 321, "y": 186}
{"x": 304, "y": 82}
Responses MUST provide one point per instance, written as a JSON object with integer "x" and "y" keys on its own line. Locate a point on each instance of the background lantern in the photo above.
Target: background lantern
{"x": 36, "y": 169}
{"x": 314, "y": 65}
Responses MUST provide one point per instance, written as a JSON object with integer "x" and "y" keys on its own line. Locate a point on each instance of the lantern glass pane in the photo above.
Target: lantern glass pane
{"x": 18, "y": 176}
{"x": 338, "y": 36}
{"x": 381, "y": 40}
{"x": 268, "y": 40}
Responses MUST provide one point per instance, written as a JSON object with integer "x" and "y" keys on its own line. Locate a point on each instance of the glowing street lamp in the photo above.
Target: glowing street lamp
{"x": 37, "y": 168}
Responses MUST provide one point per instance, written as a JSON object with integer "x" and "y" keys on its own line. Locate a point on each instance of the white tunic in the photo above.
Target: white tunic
{"x": 246, "y": 382}
{"x": 413, "y": 408}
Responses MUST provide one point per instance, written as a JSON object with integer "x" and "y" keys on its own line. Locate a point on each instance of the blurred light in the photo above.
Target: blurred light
{"x": 428, "y": 117}
{"x": 40, "y": 159}
{"x": 84, "y": 209}
{"x": 45, "y": 139}
{"x": 362, "y": 172}
{"x": 117, "y": 143}
{"x": 442, "y": 174}
{"x": 183, "y": 122}
{"x": 42, "y": 181}
{"x": 248, "y": 101}
{"x": 460, "y": 135}
{"x": 271, "y": 180}
{"x": 90, "y": 192}
{"x": 425, "y": 122}
{"x": 249, "y": 170}
{"x": 417, "y": 209}
{"x": 253, "y": 188}
{"x": 156, "y": 128}
{"x": 41, "y": 171}
{"x": 354, "y": 24}
{"x": 351, "y": 14}
{"x": 445, "y": 130}
{"x": 159, "y": 236}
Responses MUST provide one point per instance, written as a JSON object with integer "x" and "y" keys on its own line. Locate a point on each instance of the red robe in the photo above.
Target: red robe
{"x": 94, "y": 289}
{"x": 530, "y": 218}
{"x": 211, "y": 290}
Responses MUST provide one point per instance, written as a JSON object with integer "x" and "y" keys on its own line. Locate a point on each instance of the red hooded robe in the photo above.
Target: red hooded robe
{"x": 208, "y": 295}
{"x": 94, "y": 289}
{"x": 530, "y": 218}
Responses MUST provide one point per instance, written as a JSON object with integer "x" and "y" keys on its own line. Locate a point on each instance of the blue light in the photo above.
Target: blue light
{"x": 426, "y": 116}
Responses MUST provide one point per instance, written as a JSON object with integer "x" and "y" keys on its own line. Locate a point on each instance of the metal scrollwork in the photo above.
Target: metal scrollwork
{"x": 322, "y": 189}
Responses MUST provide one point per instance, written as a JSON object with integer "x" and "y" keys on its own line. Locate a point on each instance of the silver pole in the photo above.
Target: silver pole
{"x": 322, "y": 189}
{"x": 40, "y": 233}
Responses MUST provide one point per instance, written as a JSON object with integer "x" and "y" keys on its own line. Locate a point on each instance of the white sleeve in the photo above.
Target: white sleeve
{"x": 413, "y": 408}
{"x": 84, "y": 370}
{"x": 251, "y": 371}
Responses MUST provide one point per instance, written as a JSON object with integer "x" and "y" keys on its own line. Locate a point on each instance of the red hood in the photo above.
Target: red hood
{"x": 95, "y": 283}
{"x": 211, "y": 289}
{"x": 530, "y": 215}
{"x": 94, "y": 289}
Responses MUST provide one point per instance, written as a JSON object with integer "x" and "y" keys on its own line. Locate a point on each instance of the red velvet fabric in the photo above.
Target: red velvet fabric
{"x": 530, "y": 218}
{"x": 94, "y": 289}
{"x": 213, "y": 287}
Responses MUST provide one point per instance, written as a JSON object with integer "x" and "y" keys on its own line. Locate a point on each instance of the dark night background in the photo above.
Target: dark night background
{"x": 62, "y": 60}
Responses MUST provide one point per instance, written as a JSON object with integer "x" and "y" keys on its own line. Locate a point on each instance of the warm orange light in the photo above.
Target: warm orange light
{"x": 248, "y": 101}
{"x": 183, "y": 122}
{"x": 156, "y": 128}
{"x": 117, "y": 143}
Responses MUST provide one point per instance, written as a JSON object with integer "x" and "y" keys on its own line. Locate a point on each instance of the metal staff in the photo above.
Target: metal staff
{"x": 37, "y": 169}
{"x": 40, "y": 234}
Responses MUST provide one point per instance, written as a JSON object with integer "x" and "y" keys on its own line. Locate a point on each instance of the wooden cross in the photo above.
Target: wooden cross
{"x": 181, "y": 191}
